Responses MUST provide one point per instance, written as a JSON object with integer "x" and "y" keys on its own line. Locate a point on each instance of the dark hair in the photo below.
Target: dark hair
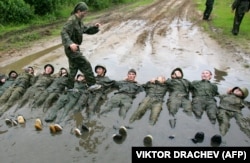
{"x": 52, "y": 67}
{"x": 12, "y": 71}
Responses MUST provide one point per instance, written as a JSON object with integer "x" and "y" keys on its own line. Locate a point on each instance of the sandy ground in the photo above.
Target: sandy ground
{"x": 154, "y": 40}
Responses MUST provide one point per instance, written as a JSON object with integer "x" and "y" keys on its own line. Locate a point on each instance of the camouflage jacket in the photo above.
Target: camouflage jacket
{"x": 106, "y": 83}
{"x": 79, "y": 89}
{"x": 73, "y": 30}
{"x": 42, "y": 81}
{"x": 24, "y": 80}
{"x": 178, "y": 87}
{"x": 58, "y": 85}
{"x": 131, "y": 88}
{"x": 7, "y": 84}
{"x": 231, "y": 102}
{"x": 204, "y": 88}
{"x": 155, "y": 90}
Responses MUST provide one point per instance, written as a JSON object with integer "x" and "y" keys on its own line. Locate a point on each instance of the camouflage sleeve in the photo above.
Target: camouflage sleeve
{"x": 90, "y": 30}
{"x": 215, "y": 89}
{"x": 67, "y": 32}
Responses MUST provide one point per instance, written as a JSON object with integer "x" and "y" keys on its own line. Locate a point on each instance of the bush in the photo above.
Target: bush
{"x": 15, "y": 11}
{"x": 43, "y": 7}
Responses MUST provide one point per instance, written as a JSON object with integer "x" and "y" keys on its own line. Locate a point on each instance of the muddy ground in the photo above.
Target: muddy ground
{"x": 152, "y": 39}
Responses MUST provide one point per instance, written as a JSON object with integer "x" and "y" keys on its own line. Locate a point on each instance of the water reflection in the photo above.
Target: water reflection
{"x": 219, "y": 75}
{"x": 18, "y": 65}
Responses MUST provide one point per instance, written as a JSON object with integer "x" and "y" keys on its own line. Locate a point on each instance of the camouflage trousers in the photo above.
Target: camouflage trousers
{"x": 122, "y": 101}
{"x": 201, "y": 104}
{"x": 176, "y": 102}
{"x": 66, "y": 102}
{"x": 46, "y": 99}
{"x": 30, "y": 94}
{"x": 148, "y": 103}
{"x": 224, "y": 117}
{"x": 95, "y": 100}
{"x": 79, "y": 62}
{"x": 10, "y": 97}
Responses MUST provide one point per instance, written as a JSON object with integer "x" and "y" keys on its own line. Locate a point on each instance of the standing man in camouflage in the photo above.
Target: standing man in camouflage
{"x": 179, "y": 89}
{"x": 208, "y": 10}
{"x": 72, "y": 34}
{"x": 127, "y": 91}
{"x": 203, "y": 96}
{"x": 239, "y": 7}
{"x": 17, "y": 89}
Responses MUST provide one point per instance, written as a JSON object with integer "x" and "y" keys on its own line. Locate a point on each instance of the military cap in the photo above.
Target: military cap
{"x": 52, "y": 67}
{"x": 102, "y": 66}
{"x": 132, "y": 70}
{"x": 177, "y": 69}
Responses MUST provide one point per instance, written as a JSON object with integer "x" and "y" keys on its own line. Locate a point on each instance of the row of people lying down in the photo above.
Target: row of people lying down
{"x": 50, "y": 92}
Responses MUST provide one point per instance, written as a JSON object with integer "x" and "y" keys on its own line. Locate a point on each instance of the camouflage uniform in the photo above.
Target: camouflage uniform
{"x": 240, "y": 7}
{"x": 52, "y": 93}
{"x": 230, "y": 106}
{"x": 97, "y": 97}
{"x": 41, "y": 82}
{"x": 9, "y": 81}
{"x": 155, "y": 93}
{"x": 72, "y": 33}
{"x": 209, "y": 7}
{"x": 178, "y": 89}
{"x": 127, "y": 91}
{"x": 67, "y": 101}
{"x": 203, "y": 98}
{"x": 246, "y": 125}
{"x": 16, "y": 91}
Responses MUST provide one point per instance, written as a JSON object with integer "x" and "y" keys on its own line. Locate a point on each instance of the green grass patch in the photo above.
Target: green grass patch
{"x": 222, "y": 18}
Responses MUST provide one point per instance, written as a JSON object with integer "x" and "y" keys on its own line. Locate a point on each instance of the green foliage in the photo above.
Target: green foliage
{"x": 102, "y": 4}
{"x": 15, "y": 11}
{"x": 26, "y": 11}
{"x": 43, "y": 7}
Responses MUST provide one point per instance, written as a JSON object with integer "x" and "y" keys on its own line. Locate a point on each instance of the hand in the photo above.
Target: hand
{"x": 152, "y": 80}
{"x": 74, "y": 47}
{"x": 98, "y": 25}
{"x": 3, "y": 80}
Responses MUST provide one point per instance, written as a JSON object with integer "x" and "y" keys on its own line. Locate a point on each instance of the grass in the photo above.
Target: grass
{"x": 222, "y": 18}
{"x": 221, "y": 24}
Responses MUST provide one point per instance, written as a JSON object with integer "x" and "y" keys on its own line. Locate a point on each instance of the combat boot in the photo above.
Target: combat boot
{"x": 121, "y": 136}
{"x": 198, "y": 138}
{"x": 38, "y": 124}
{"x": 148, "y": 140}
{"x": 21, "y": 119}
{"x": 84, "y": 128}
{"x": 58, "y": 128}
{"x": 52, "y": 128}
{"x": 10, "y": 122}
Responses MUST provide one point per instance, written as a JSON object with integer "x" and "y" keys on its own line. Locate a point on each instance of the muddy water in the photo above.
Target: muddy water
{"x": 183, "y": 45}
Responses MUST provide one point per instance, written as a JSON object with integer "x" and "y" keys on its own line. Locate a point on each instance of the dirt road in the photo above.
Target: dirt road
{"x": 152, "y": 39}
